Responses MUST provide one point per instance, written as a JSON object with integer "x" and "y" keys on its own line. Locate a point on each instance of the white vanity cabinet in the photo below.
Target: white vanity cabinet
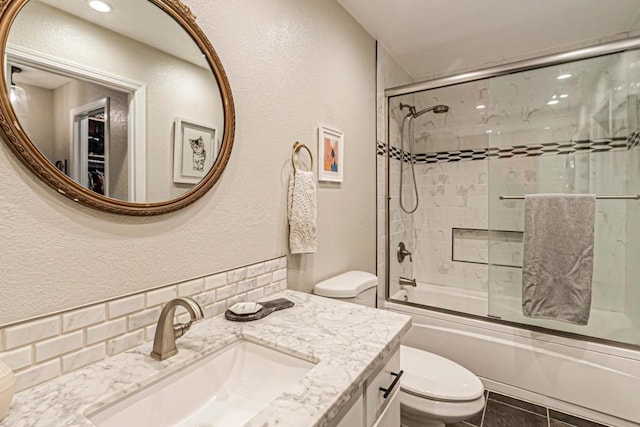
{"x": 370, "y": 407}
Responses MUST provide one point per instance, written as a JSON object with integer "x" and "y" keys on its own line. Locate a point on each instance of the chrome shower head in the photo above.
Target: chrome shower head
{"x": 437, "y": 109}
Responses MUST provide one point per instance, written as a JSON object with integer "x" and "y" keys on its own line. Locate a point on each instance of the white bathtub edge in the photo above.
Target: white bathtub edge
{"x": 553, "y": 364}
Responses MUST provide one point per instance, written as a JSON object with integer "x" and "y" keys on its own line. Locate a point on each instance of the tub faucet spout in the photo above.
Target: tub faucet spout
{"x": 404, "y": 281}
{"x": 164, "y": 344}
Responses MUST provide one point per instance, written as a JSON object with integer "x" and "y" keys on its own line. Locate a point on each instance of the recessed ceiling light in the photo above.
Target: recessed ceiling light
{"x": 563, "y": 76}
{"x": 100, "y": 6}
{"x": 554, "y": 96}
{"x": 564, "y": 95}
{"x": 547, "y": 127}
{"x": 488, "y": 131}
{"x": 480, "y": 107}
{"x": 553, "y": 102}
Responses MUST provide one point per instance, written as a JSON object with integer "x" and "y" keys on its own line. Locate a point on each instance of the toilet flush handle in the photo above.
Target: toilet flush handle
{"x": 387, "y": 391}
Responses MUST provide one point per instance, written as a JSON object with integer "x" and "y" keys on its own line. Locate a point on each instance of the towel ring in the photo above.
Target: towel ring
{"x": 296, "y": 147}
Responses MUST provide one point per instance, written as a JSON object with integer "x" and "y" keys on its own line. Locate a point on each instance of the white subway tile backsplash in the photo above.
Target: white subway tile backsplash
{"x": 18, "y": 358}
{"x": 76, "y": 338}
{"x": 84, "y": 357}
{"x": 150, "y": 332}
{"x": 272, "y": 265}
{"x": 106, "y": 330}
{"x": 279, "y": 274}
{"x": 59, "y": 345}
{"x": 263, "y": 280}
{"x": 255, "y": 294}
{"x": 26, "y": 333}
{"x": 125, "y": 306}
{"x": 143, "y": 318}
{"x": 191, "y": 287}
{"x": 162, "y": 295}
{"x": 84, "y": 317}
{"x": 205, "y": 298}
{"x": 37, "y": 374}
{"x": 215, "y": 309}
{"x": 246, "y": 285}
{"x": 237, "y": 274}
{"x": 125, "y": 342}
{"x": 215, "y": 281}
{"x": 236, "y": 299}
{"x": 255, "y": 270}
{"x": 226, "y": 292}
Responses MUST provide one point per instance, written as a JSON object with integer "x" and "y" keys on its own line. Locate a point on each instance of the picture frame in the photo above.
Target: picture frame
{"x": 195, "y": 149}
{"x": 330, "y": 154}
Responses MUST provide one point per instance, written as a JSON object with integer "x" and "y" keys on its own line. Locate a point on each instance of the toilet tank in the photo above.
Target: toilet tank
{"x": 358, "y": 287}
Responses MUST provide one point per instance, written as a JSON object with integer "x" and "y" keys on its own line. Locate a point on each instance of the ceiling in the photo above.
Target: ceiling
{"x": 430, "y": 37}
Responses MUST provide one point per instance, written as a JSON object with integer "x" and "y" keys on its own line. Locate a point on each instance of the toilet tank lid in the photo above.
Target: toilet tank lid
{"x": 346, "y": 285}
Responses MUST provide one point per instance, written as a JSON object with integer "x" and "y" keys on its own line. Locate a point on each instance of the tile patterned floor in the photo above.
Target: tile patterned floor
{"x": 505, "y": 411}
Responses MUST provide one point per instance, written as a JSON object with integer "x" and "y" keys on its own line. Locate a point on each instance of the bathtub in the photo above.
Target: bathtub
{"x": 610, "y": 325}
{"x": 587, "y": 379}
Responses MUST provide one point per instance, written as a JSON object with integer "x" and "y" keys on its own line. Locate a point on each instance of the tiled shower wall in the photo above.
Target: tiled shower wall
{"x": 41, "y": 349}
{"x": 456, "y": 195}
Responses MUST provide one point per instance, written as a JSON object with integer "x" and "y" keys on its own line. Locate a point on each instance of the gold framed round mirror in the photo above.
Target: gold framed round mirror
{"x": 120, "y": 105}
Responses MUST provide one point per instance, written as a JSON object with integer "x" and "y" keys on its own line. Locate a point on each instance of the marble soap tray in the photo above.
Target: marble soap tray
{"x": 268, "y": 307}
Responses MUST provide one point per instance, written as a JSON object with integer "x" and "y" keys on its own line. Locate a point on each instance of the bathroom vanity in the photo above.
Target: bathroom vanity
{"x": 320, "y": 362}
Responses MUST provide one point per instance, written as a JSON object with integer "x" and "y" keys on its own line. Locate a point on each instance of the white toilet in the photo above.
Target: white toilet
{"x": 433, "y": 390}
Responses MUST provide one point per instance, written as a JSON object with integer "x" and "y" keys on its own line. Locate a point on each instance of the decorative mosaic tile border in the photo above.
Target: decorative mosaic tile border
{"x": 534, "y": 150}
{"x": 41, "y": 349}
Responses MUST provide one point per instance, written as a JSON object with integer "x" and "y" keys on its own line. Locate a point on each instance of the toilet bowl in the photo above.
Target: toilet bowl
{"x": 433, "y": 390}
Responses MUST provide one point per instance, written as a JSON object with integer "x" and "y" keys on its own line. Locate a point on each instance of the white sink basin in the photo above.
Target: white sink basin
{"x": 227, "y": 388}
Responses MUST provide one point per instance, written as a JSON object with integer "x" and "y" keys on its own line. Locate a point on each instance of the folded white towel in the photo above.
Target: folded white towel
{"x": 302, "y": 213}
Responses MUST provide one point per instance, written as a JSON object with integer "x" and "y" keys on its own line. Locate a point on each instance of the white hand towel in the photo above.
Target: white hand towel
{"x": 302, "y": 213}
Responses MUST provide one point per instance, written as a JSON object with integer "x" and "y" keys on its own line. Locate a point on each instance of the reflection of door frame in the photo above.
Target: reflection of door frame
{"x": 78, "y": 156}
{"x": 137, "y": 137}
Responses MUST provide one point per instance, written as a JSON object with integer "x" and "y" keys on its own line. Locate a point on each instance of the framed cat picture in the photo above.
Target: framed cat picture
{"x": 195, "y": 149}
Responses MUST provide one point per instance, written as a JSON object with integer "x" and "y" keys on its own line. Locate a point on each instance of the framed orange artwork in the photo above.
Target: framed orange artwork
{"x": 330, "y": 154}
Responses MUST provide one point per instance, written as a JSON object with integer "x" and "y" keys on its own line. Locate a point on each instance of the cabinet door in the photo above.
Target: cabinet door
{"x": 386, "y": 379}
{"x": 355, "y": 416}
{"x": 391, "y": 415}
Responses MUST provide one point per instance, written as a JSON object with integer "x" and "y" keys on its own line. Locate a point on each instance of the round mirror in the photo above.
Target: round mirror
{"x": 122, "y": 105}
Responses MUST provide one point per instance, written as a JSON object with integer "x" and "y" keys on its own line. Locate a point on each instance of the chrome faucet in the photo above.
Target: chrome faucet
{"x": 164, "y": 343}
{"x": 407, "y": 282}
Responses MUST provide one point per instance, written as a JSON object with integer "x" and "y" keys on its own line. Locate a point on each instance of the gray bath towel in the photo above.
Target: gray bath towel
{"x": 558, "y": 256}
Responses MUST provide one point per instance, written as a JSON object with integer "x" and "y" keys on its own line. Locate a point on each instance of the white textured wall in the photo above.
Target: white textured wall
{"x": 39, "y": 123}
{"x": 292, "y": 65}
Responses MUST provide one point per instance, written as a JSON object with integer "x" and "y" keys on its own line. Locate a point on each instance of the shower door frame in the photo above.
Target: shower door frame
{"x": 617, "y": 46}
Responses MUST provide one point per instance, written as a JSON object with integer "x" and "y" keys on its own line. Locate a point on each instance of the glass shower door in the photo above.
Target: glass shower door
{"x": 568, "y": 129}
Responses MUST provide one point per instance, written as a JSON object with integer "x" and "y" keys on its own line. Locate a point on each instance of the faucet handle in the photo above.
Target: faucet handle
{"x": 179, "y": 329}
{"x": 403, "y": 252}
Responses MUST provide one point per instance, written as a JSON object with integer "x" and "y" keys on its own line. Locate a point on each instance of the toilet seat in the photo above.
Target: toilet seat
{"x": 429, "y": 376}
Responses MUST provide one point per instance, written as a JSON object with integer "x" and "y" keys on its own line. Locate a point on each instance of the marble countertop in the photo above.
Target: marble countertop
{"x": 348, "y": 342}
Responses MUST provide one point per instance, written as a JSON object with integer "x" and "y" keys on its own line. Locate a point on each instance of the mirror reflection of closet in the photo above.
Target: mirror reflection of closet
{"x": 90, "y": 148}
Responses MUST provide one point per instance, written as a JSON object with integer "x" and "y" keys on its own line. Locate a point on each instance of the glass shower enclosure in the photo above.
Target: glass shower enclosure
{"x": 570, "y": 127}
